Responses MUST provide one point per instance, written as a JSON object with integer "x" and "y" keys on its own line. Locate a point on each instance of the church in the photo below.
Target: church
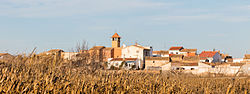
{"x": 117, "y": 52}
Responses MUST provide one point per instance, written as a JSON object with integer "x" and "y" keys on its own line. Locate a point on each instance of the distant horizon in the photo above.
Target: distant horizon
{"x": 204, "y": 25}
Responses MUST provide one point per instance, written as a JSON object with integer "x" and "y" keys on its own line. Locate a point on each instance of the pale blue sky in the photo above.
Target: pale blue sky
{"x": 201, "y": 24}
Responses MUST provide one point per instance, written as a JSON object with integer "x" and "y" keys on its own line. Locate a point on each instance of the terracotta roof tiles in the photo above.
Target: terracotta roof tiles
{"x": 176, "y": 48}
{"x": 116, "y": 36}
{"x": 206, "y": 54}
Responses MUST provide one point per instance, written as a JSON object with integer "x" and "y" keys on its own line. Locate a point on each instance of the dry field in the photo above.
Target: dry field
{"x": 52, "y": 75}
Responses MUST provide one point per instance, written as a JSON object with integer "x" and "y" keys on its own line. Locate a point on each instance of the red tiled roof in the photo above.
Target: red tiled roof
{"x": 116, "y": 36}
{"x": 205, "y": 54}
{"x": 122, "y": 59}
{"x": 176, "y": 48}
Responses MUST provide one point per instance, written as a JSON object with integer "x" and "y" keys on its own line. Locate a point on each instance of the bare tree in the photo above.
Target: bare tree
{"x": 81, "y": 46}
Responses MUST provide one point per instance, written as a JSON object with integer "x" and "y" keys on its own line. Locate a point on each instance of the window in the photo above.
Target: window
{"x": 176, "y": 52}
{"x": 206, "y": 60}
{"x": 137, "y": 51}
{"x": 213, "y": 66}
{"x": 182, "y": 68}
{"x": 177, "y": 68}
{"x": 153, "y": 61}
{"x": 192, "y": 68}
{"x": 172, "y": 53}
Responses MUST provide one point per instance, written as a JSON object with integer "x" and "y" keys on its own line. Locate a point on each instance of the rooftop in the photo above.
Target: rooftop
{"x": 2, "y": 54}
{"x": 176, "y": 48}
{"x": 55, "y": 50}
{"x": 206, "y": 54}
{"x": 247, "y": 56}
{"x": 116, "y": 36}
{"x": 97, "y": 47}
{"x": 189, "y": 50}
{"x": 161, "y": 52}
{"x": 157, "y": 58}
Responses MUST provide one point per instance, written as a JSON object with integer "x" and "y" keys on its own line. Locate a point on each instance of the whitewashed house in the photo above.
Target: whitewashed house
{"x": 175, "y": 50}
{"x": 184, "y": 66}
{"x": 137, "y": 51}
{"x": 128, "y": 63}
{"x": 238, "y": 60}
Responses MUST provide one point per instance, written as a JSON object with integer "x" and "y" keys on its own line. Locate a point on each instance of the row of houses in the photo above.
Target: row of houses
{"x": 144, "y": 57}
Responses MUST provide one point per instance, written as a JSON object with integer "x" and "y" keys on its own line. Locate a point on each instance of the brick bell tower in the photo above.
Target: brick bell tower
{"x": 116, "y": 41}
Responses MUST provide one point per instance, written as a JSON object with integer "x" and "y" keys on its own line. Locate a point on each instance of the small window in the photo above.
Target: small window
{"x": 177, "y": 53}
{"x": 192, "y": 68}
{"x": 177, "y": 68}
{"x": 213, "y": 66}
{"x": 153, "y": 61}
{"x": 183, "y": 68}
{"x": 172, "y": 53}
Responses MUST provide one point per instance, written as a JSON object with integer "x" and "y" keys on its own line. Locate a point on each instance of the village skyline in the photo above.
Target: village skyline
{"x": 125, "y": 46}
{"x": 123, "y": 43}
{"x": 48, "y": 24}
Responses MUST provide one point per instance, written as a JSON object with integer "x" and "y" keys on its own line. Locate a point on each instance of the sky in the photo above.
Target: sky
{"x": 48, "y": 24}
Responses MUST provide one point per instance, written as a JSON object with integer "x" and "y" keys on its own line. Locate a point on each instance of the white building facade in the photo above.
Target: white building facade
{"x": 137, "y": 51}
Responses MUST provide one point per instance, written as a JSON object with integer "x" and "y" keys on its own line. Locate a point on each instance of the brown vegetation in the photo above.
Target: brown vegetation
{"x": 52, "y": 75}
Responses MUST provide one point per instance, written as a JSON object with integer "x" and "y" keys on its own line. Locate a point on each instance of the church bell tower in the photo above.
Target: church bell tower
{"x": 116, "y": 40}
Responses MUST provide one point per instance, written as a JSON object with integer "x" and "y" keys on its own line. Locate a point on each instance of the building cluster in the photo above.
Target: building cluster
{"x": 145, "y": 58}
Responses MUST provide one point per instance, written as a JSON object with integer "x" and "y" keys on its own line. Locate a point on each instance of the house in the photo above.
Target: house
{"x": 210, "y": 56}
{"x": 161, "y": 53}
{"x": 247, "y": 58}
{"x": 137, "y": 51}
{"x": 70, "y": 55}
{"x": 96, "y": 53}
{"x": 108, "y": 52}
{"x": 184, "y": 66}
{"x": 155, "y": 63}
{"x": 176, "y": 58}
{"x": 226, "y": 58}
{"x": 6, "y": 56}
{"x": 53, "y": 52}
{"x": 175, "y": 50}
{"x": 126, "y": 63}
{"x": 246, "y": 69}
{"x": 238, "y": 60}
{"x": 188, "y": 52}
{"x": 191, "y": 59}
